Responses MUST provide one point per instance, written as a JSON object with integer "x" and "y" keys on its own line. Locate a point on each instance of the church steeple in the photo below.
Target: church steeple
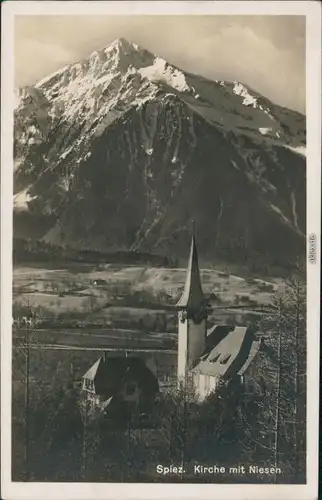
{"x": 192, "y": 298}
{"x": 192, "y": 316}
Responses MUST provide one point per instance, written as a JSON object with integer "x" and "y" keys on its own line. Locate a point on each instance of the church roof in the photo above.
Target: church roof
{"x": 230, "y": 353}
{"x": 192, "y": 296}
{"x": 92, "y": 372}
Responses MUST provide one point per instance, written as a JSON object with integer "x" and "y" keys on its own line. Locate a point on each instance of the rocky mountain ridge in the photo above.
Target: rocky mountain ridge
{"x": 122, "y": 149}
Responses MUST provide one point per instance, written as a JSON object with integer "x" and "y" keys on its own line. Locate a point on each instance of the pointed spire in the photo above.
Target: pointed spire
{"x": 192, "y": 297}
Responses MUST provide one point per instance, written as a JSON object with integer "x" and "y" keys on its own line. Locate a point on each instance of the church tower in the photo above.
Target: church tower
{"x": 192, "y": 317}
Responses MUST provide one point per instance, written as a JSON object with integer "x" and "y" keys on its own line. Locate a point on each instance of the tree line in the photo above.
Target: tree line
{"x": 29, "y": 250}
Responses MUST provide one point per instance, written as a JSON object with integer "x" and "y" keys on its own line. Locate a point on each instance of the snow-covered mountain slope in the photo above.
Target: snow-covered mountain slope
{"x": 123, "y": 148}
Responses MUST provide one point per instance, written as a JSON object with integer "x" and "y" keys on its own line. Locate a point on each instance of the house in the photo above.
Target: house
{"x": 208, "y": 357}
{"x": 98, "y": 282}
{"x": 115, "y": 381}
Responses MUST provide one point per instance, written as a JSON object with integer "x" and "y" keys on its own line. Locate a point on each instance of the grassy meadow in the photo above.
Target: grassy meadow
{"x": 114, "y": 293}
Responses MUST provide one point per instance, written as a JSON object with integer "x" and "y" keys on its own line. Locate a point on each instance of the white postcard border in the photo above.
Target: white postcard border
{"x": 55, "y": 491}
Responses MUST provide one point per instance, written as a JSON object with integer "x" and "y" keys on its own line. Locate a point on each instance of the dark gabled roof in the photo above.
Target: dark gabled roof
{"x": 231, "y": 354}
{"x": 109, "y": 373}
{"x": 192, "y": 296}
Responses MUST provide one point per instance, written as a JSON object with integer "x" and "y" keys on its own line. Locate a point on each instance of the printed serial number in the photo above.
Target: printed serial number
{"x": 312, "y": 249}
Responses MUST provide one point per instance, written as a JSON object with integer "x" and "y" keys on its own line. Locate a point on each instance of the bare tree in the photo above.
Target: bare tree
{"x": 21, "y": 350}
{"x": 40, "y": 419}
{"x": 278, "y": 307}
{"x": 289, "y": 305}
{"x": 295, "y": 315}
{"x": 272, "y": 415}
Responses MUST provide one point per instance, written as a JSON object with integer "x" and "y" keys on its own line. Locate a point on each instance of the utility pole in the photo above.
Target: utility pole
{"x": 85, "y": 441}
{"x": 27, "y": 395}
{"x": 129, "y": 443}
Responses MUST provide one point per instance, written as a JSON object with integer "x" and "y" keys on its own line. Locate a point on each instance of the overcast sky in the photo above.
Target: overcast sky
{"x": 265, "y": 52}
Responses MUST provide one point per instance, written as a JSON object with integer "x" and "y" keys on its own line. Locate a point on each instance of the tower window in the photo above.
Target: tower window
{"x": 88, "y": 384}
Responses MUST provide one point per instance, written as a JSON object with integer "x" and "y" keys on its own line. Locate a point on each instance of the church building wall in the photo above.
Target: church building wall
{"x": 204, "y": 385}
{"x": 182, "y": 348}
{"x": 191, "y": 344}
{"x": 196, "y": 341}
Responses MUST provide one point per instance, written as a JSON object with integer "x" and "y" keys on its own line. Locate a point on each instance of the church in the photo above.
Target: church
{"x": 209, "y": 357}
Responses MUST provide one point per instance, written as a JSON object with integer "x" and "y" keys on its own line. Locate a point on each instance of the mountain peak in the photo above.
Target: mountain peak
{"x": 119, "y": 55}
{"x": 124, "y": 43}
{"x": 125, "y": 47}
{"x": 114, "y": 78}
{"x": 120, "y": 45}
